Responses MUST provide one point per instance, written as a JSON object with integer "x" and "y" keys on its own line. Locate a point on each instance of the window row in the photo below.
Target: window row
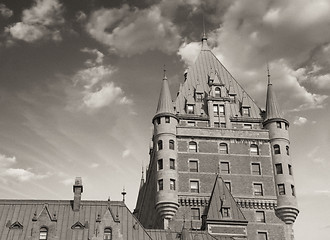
{"x": 279, "y": 168}
{"x": 277, "y": 149}
{"x": 279, "y": 125}
{"x": 167, "y": 120}
{"x": 160, "y": 144}
{"x": 223, "y": 148}
{"x": 281, "y": 189}
{"x": 225, "y": 168}
{"x": 43, "y": 233}
{"x": 161, "y": 184}
{"x": 160, "y": 164}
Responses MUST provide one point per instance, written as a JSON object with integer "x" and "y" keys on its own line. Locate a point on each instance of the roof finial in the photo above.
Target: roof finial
{"x": 164, "y": 72}
{"x": 268, "y": 74}
{"x": 204, "y": 35}
{"x": 123, "y": 193}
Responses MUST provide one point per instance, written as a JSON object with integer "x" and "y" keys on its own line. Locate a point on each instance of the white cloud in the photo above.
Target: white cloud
{"x": 127, "y": 31}
{"x": 6, "y": 161}
{"x": 22, "y": 174}
{"x": 67, "y": 182}
{"x": 94, "y": 165}
{"x": 5, "y": 12}
{"x": 300, "y": 121}
{"x": 189, "y": 52}
{"x": 126, "y": 153}
{"x": 42, "y": 20}
{"x": 97, "y": 89}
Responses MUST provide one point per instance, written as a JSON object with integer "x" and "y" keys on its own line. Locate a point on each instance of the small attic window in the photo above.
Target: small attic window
{"x": 190, "y": 109}
{"x": 246, "y": 112}
{"x": 217, "y": 92}
{"x": 232, "y": 98}
{"x": 199, "y": 97}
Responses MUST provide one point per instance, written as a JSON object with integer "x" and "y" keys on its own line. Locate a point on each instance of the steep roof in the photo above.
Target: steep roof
{"x": 64, "y": 223}
{"x": 206, "y": 64}
{"x": 272, "y": 109}
{"x": 221, "y": 197}
{"x": 186, "y": 234}
{"x": 165, "y": 104}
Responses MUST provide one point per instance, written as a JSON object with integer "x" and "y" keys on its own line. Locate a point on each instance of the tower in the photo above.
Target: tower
{"x": 165, "y": 155}
{"x": 217, "y": 128}
{"x": 278, "y": 127}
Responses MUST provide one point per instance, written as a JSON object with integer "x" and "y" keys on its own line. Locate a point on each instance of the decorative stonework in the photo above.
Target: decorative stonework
{"x": 195, "y": 201}
{"x": 256, "y": 203}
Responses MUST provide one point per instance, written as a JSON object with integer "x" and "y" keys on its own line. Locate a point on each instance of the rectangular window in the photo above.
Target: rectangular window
{"x": 193, "y": 166}
{"x": 216, "y": 110}
{"x": 260, "y": 216}
{"x": 232, "y": 98}
{"x": 167, "y": 119}
{"x": 257, "y": 189}
{"x": 194, "y": 186}
{"x": 160, "y": 164}
{"x": 160, "y": 184}
{"x": 191, "y": 124}
{"x": 281, "y": 189}
{"x": 195, "y": 214}
{"x": 172, "y": 163}
{"x": 223, "y": 125}
{"x": 190, "y": 109}
{"x": 158, "y": 120}
{"x": 247, "y": 126}
{"x": 222, "y": 109}
{"x": 216, "y": 125}
{"x": 224, "y": 167}
{"x": 286, "y": 126}
{"x": 278, "y": 125}
{"x": 246, "y": 112}
{"x": 262, "y": 236}
{"x": 290, "y": 169}
{"x": 225, "y": 211}
{"x": 256, "y": 170}
{"x": 279, "y": 169}
{"x": 228, "y": 185}
{"x": 172, "y": 184}
{"x": 293, "y": 191}
{"x": 199, "y": 97}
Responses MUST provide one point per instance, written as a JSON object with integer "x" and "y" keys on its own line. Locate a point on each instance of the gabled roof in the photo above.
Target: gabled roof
{"x": 199, "y": 72}
{"x": 221, "y": 197}
{"x": 165, "y": 104}
{"x": 93, "y": 215}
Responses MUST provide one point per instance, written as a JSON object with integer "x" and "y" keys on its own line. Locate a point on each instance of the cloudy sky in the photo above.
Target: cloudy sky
{"x": 80, "y": 79}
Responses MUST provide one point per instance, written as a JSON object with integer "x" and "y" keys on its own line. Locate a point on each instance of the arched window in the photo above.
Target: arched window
{"x": 43, "y": 235}
{"x": 223, "y": 148}
{"x": 277, "y": 149}
{"x": 160, "y": 144}
{"x": 171, "y": 144}
{"x": 107, "y": 234}
{"x": 192, "y": 147}
{"x": 287, "y": 150}
{"x": 217, "y": 92}
{"x": 254, "y": 150}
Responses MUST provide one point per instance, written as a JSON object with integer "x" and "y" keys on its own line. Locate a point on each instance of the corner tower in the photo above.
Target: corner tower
{"x": 287, "y": 209}
{"x": 165, "y": 156}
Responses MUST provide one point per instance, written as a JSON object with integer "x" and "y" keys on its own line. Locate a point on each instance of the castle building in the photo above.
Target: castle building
{"x": 218, "y": 163}
{"x": 220, "y": 169}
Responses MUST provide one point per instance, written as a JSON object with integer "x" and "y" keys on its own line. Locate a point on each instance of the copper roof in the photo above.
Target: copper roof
{"x": 206, "y": 64}
{"x": 63, "y": 222}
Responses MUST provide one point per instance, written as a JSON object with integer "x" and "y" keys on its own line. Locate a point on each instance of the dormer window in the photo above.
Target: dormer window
{"x": 216, "y": 110}
{"x": 217, "y": 92}
{"x": 232, "y": 98}
{"x": 190, "y": 109}
{"x": 43, "y": 234}
{"x": 199, "y": 97}
{"x": 222, "y": 109}
{"x": 246, "y": 111}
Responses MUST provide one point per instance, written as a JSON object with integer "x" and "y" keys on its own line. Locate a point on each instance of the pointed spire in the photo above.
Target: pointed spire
{"x": 165, "y": 104}
{"x": 142, "y": 179}
{"x": 123, "y": 193}
{"x": 272, "y": 108}
{"x": 205, "y": 46}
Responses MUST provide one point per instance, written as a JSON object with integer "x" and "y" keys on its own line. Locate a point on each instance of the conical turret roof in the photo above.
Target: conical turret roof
{"x": 165, "y": 104}
{"x": 272, "y": 109}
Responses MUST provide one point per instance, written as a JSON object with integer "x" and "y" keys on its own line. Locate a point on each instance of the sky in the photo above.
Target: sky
{"x": 80, "y": 80}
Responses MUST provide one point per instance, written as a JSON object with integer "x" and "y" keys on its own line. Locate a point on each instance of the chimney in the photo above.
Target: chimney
{"x": 77, "y": 190}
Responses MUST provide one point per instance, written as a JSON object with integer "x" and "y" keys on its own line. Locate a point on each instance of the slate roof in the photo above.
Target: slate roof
{"x": 198, "y": 74}
{"x": 159, "y": 234}
{"x": 272, "y": 109}
{"x": 66, "y": 223}
{"x": 165, "y": 104}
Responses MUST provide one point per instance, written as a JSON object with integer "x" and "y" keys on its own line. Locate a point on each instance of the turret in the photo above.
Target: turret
{"x": 165, "y": 155}
{"x": 278, "y": 126}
